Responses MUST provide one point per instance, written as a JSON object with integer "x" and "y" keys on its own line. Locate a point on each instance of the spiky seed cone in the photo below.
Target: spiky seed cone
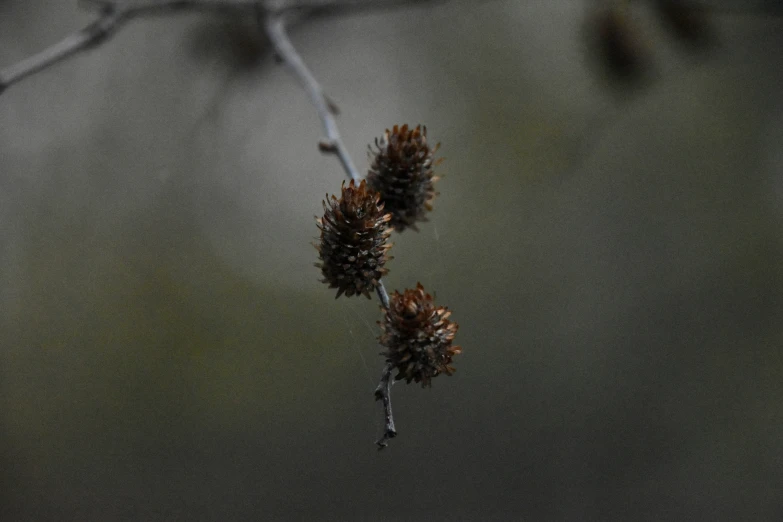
{"x": 402, "y": 172}
{"x": 353, "y": 245}
{"x": 417, "y": 336}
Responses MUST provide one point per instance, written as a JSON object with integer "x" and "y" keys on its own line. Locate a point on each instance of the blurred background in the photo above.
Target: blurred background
{"x": 608, "y": 235}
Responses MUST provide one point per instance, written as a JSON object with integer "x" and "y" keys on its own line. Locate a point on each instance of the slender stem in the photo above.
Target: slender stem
{"x": 93, "y": 34}
{"x": 113, "y": 14}
{"x": 333, "y": 143}
{"x": 383, "y": 393}
{"x": 383, "y": 295}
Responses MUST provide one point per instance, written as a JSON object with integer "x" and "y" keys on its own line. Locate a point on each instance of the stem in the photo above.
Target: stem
{"x": 383, "y": 393}
{"x": 332, "y": 144}
{"x": 114, "y": 14}
{"x": 99, "y": 30}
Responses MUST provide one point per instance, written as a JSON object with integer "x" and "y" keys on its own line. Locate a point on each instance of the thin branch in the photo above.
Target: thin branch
{"x": 333, "y": 143}
{"x": 383, "y": 393}
{"x": 383, "y": 295}
{"x": 114, "y": 14}
{"x": 97, "y": 31}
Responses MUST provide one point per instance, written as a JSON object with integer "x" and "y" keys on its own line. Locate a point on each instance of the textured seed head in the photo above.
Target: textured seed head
{"x": 401, "y": 171}
{"x": 417, "y": 336}
{"x": 354, "y": 240}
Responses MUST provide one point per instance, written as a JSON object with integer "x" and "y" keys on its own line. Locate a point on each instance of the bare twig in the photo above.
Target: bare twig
{"x": 333, "y": 143}
{"x": 113, "y": 14}
{"x": 91, "y": 35}
{"x": 383, "y": 393}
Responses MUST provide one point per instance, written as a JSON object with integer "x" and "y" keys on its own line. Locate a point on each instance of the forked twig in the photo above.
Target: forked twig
{"x": 383, "y": 393}
{"x": 114, "y": 14}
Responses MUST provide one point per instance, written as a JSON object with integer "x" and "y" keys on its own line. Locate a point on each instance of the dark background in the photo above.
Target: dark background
{"x": 612, "y": 252}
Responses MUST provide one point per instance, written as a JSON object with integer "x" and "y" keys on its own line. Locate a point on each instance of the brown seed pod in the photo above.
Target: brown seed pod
{"x": 354, "y": 240}
{"x": 401, "y": 172}
{"x": 417, "y": 336}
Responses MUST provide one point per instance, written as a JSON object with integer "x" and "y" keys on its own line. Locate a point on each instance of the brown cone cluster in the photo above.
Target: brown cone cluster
{"x": 417, "y": 336}
{"x": 354, "y": 240}
{"x": 401, "y": 172}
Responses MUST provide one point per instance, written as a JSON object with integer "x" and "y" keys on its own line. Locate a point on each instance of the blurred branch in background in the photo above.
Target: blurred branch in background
{"x": 622, "y": 42}
{"x": 113, "y": 15}
{"x": 272, "y": 16}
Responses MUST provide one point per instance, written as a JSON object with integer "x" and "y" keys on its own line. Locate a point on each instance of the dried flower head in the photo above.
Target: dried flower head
{"x": 417, "y": 336}
{"x": 353, "y": 245}
{"x": 401, "y": 171}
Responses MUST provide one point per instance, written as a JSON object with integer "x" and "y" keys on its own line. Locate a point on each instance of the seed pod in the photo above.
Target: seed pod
{"x": 353, "y": 245}
{"x": 417, "y": 336}
{"x": 401, "y": 172}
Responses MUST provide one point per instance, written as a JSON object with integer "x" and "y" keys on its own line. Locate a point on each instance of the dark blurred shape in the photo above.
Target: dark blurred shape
{"x": 232, "y": 40}
{"x": 686, "y": 21}
{"x": 620, "y": 44}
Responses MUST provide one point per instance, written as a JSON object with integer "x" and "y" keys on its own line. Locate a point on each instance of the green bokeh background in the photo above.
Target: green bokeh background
{"x": 613, "y": 256}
